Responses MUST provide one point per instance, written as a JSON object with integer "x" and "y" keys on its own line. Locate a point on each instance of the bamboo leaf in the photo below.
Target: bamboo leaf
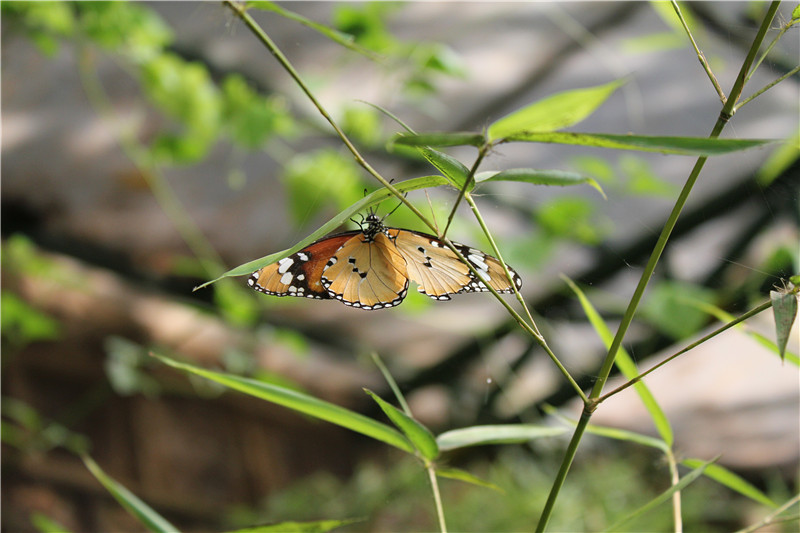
{"x": 302, "y": 403}
{"x": 422, "y": 439}
{"x": 140, "y": 510}
{"x": 626, "y": 365}
{"x": 372, "y": 199}
{"x": 693, "y": 146}
{"x": 449, "y": 166}
{"x": 494, "y": 434}
{"x": 663, "y": 497}
{"x": 784, "y": 308}
{"x": 722, "y": 475}
{"x": 554, "y": 112}
{"x": 462, "y": 138}
{"x": 341, "y": 38}
{"x": 317, "y": 526}
{"x": 463, "y": 475}
{"x": 534, "y": 176}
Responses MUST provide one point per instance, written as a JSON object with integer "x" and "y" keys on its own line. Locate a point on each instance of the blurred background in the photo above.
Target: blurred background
{"x": 147, "y": 147}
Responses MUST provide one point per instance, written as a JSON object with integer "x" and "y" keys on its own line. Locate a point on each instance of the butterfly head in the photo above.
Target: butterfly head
{"x": 371, "y": 226}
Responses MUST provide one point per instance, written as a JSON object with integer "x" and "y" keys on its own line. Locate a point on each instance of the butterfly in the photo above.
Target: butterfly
{"x": 370, "y": 268}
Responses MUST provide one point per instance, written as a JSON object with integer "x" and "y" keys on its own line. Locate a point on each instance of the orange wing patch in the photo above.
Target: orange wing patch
{"x": 366, "y": 274}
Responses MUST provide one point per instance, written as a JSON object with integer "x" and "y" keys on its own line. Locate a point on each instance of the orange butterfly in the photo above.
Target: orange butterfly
{"x": 370, "y": 268}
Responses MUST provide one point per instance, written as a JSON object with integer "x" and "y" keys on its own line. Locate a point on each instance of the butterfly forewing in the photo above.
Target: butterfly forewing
{"x": 300, "y": 273}
{"x": 364, "y": 273}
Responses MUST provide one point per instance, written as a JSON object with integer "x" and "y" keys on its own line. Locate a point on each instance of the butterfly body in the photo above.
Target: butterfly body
{"x": 370, "y": 268}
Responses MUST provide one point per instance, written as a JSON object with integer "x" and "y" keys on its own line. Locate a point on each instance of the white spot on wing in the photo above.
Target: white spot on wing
{"x": 284, "y": 264}
{"x": 287, "y": 278}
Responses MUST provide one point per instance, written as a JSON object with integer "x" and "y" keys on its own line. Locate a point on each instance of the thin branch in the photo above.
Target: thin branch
{"x": 792, "y": 72}
{"x": 749, "y": 314}
{"x": 437, "y": 497}
{"x": 700, "y": 54}
{"x": 770, "y": 518}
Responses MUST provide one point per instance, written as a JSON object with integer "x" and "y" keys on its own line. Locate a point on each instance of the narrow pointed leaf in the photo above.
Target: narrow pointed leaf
{"x": 317, "y": 526}
{"x": 784, "y": 308}
{"x": 463, "y": 475}
{"x": 372, "y": 199}
{"x": 449, "y": 166}
{"x": 626, "y": 365}
{"x": 494, "y": 434}
{"x": 612, "y": 433}
{"x": 341, "y": 38}
{"x": 693, "y": 146}
{"x": 421, "y": 438}
{"x": 302, "y": 403}
{"x": 140, "y": 510}
{"x": 535, "y": 176}
{"x": 663, "y": 497}
{"x": 722, "y": 475}
{"x": 440, "y": 139}
{"x": 554, "y": 112}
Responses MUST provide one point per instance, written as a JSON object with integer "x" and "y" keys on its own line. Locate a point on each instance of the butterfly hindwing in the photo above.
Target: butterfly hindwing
{"x": 439, "y": 272}
{"x": 367, "y": 273}
{"x": 300, "y": 273}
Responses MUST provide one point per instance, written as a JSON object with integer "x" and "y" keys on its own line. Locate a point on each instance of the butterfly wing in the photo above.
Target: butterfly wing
{"x": 439, "y": 272}
{"x": 369, "y": 274}
{"x": 300, "y": 273}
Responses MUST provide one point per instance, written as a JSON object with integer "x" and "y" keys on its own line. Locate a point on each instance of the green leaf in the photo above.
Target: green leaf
{"x": 449, "y": 166}
{"x": 45, "y": 524}
{"x": 534, "y": 176}
{"x": 663, "y": 497}
{"x": 554, "y": 112}
{"x": 422, "y": 439}
{"x": 796, "y": 12}
{"x": 297, "y": 401}
{"x": 626, "y": 365}
{"x": 784, "y": 308}
{"x": 24, "y": 324}
{"x": 440, "y": 139}
{"x": 612, "y": 433}
{"x": 341, "y": 38}
{"x": 494, "y": 434}
{"x": 462, "y": 475}
{"x": 318, "y": 526}
{"x": 693, "y": 146}
{"x": 140, "y": 510}
{"x": 372, "y": 199}
{"x": 722, "y": 475}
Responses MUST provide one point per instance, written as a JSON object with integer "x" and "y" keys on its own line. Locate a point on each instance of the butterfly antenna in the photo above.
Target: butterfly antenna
{"x": 395, "y": 209}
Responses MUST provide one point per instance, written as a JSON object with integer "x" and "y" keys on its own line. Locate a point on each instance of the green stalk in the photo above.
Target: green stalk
{"x": 437, "y": 497}
{"x": 727, "y": 112}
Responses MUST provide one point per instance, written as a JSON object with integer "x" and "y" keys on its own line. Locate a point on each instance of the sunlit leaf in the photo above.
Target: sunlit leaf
{"x": 552, "y": 113}
{"x": 300, "y": 402}
{"x": 722, "y": 475}
{"x": 463, "y": 475}
{"x": 494, "y": 434}
{"x": 422, "y": 439}
{"x": 625, "y": 364}
{"x": 317, "y": 526}
{"x": 661, "y": 498}
{"x": 140, "y": 510}
{"x": 693, "y": 146}
{"x": 535, "y": 176}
